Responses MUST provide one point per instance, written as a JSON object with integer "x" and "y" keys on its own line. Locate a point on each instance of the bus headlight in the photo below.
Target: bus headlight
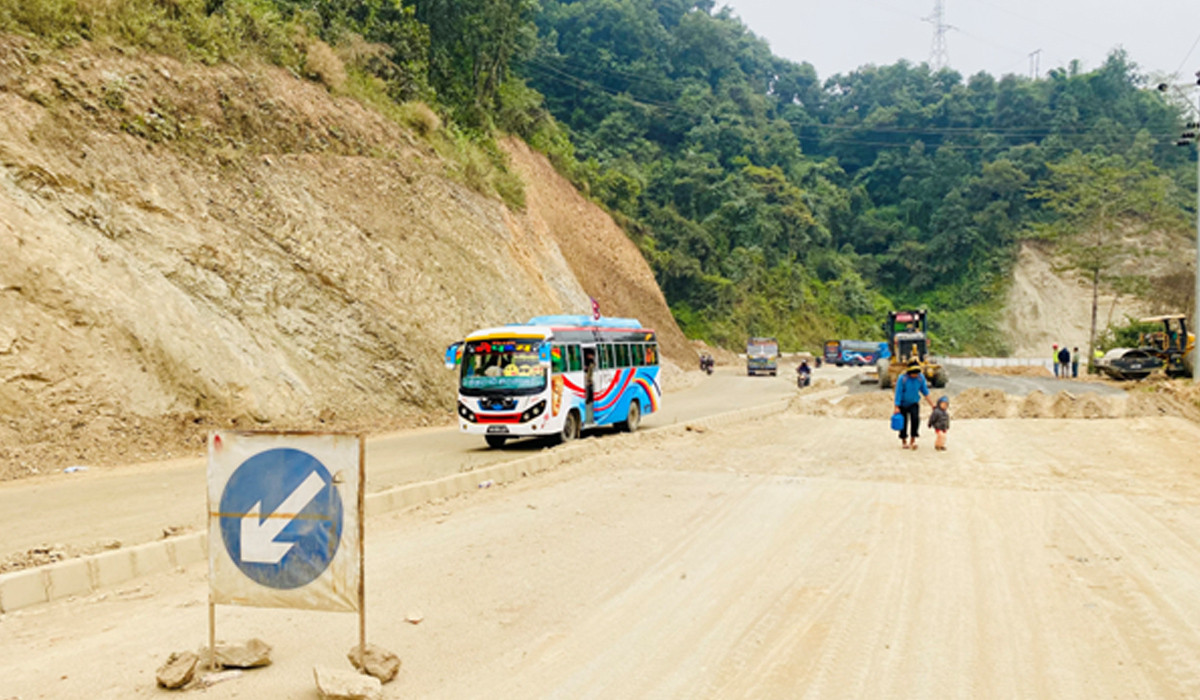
{"x": 538, "y": 409}
{"x": 467, "y": 414}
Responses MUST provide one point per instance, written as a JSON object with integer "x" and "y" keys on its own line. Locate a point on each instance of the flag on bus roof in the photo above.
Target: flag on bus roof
{"x": 595, "y": 309}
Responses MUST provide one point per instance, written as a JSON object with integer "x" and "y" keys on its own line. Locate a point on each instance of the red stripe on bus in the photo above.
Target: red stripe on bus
{"x": 628, "y": 377}
{"x": 499, "y": 418}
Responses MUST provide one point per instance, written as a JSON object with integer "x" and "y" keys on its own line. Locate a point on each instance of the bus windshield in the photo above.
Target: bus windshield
{"x": 501, "y": 366}
{"x": 762, "y": 347}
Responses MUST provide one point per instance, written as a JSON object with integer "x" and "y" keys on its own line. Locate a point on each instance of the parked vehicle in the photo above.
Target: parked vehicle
{"x": 1169, "y": 350}
{"x": 861, "y": 353}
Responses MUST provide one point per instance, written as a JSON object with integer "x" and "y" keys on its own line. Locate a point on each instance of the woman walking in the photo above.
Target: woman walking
{"x": 910, "y": 387}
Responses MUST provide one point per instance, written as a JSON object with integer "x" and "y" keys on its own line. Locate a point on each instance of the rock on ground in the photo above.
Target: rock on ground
{"x": 178, "y": 670}
{"x": 377, "y": 662}
{"x": 346, "y": 685}
{"x": 251, "y": 654}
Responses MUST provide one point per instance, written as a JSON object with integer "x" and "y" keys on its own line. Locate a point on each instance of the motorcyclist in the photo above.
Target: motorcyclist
{"x": 803, "y": 374}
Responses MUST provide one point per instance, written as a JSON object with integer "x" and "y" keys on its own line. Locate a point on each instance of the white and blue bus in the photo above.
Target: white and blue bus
{"x": 555, "y": 376}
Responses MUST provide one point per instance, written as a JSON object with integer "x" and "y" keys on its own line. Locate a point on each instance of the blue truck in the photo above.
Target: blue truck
{"x": 856, "y": 353}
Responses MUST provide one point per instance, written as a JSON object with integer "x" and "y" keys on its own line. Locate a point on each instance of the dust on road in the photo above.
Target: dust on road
{"x": 794, "y": 556}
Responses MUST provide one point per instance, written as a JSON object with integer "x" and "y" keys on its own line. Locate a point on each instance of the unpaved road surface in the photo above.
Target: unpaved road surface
{"x": 134, "y": 504}
{"x": 789, "y": 557}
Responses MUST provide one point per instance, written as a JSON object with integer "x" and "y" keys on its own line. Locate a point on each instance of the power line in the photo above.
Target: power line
{"x": 1183, "y": 63}
{"x": 563, "y": 77}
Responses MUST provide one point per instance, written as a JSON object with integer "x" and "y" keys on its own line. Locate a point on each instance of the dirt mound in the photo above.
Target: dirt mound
{"x": 1179, "y": 398}
{"x": 874, "y": 405}
{"x": 1036, "y": 405}
{"x": 231, "y": 245}
{"x": 1017, "y": 371}
{"x": 980, "y": 403}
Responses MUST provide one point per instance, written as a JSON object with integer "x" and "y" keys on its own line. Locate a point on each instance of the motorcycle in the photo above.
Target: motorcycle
{"x": 803, "y": 379}
{"x": 706, "y": 364}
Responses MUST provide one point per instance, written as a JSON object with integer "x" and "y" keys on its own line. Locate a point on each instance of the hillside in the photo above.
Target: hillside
{"x": 187, "y": 246}
{"x": 1045, "y": 305}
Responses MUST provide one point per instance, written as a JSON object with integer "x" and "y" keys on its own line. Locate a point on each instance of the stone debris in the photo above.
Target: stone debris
{"x": 210, "y": 679}
{"x": 178, "y": 670}
{"x": 414, "y": 617}
{"x": 346, "y": 685}
{"x": 251, "y": 654}
{"x": 377, "y": 662}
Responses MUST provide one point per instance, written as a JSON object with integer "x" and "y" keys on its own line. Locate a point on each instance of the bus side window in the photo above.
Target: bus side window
{"x": 558, "y": 359}
{"x": 622, "y": 355}
{"x": 637, "y": 354}
{"x": 606, "y": 356}
{"x": 651, "y": 355}
{"x": 574, "y": 358}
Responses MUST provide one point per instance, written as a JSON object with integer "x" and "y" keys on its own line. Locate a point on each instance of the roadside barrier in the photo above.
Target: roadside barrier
{"x": 95, "y": 572}
{"x": 998, "y": 362}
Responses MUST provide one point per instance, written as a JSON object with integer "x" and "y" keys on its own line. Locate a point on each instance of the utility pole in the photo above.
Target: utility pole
{"x": 1035, "y": 64}
{"x": 939, "y": 55}
{"x": 1191, "y": 137}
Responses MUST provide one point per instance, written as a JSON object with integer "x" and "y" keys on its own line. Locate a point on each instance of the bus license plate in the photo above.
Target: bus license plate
{"x": 497, "y": 429}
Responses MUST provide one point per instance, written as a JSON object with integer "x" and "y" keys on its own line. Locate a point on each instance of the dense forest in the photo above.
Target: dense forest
{"x": 767, "y": 200}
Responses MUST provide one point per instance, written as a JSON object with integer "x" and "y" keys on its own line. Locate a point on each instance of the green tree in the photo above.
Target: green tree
{"x": 1098, "y": 201}
{"x": 472, "y": 45}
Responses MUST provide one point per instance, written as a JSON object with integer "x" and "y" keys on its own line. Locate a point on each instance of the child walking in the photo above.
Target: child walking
{"x": 939, "y": 420}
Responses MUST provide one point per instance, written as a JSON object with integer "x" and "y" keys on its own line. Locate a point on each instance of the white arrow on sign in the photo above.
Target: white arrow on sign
{"x": 258, "y": 534}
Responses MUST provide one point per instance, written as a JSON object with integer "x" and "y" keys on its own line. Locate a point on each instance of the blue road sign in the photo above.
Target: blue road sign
{"x": 281, "y": 518}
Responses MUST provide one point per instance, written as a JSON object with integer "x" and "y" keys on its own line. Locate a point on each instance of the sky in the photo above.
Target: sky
{"x": 997, "y": 36}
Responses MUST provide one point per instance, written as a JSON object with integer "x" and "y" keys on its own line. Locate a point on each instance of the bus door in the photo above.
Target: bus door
{"x": 590, "y": 369}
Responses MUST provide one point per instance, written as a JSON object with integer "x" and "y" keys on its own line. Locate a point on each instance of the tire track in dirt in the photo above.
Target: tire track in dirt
{"x": 702, "y": 590}
{"x": 1107, "y": 525}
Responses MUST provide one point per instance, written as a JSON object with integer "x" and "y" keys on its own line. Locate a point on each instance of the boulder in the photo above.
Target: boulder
{"x": 377, "y": 662}
{"x": 346, "y": 685}
{"x": 178, "y": 671}
{"x": 251, "y": 654}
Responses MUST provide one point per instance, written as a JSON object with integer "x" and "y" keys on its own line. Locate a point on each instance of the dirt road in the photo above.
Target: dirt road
{"x": 134, "y": 504}
{"x": 794, "y": 556}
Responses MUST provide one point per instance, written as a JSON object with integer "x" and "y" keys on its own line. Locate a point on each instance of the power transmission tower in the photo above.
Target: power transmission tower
{"x": 939, "y": 55}
{"x": 1035, "y": 65}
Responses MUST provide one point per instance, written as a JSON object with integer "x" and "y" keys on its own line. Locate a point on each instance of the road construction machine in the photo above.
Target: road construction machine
{"x": 908, "y": 341}
{"x": 1168, "y": 350}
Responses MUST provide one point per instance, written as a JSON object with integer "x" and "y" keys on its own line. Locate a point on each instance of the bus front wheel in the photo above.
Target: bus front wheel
{"x": 496, "y": 441}
{"x": 633, "y": 419}
{"x": 570, "y": 430}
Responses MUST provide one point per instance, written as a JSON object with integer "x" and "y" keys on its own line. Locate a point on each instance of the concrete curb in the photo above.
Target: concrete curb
{"x": 94, "y": 572}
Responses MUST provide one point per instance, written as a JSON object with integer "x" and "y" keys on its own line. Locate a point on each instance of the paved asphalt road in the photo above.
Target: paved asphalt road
{"x": 962, "y": 379}
{"x": 134, "y": 504}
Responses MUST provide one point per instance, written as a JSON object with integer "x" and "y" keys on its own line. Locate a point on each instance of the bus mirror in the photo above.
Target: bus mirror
{"x": 453, "y": 355}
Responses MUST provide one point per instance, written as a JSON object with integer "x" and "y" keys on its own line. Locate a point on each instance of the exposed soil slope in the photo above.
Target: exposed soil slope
{"x": 1046, "y": 306}
{"x": 183, "y": 245}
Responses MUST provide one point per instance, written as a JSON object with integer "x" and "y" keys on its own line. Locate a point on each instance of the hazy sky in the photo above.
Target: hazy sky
{"x": 836, "y": 36}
